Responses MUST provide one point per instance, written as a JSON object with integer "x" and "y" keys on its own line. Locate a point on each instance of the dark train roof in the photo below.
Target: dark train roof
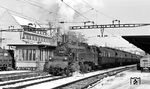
{"x": 142, "y": 41}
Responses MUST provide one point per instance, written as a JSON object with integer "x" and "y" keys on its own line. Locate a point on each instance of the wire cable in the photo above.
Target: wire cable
{"x": 101, "y": 14}
{"x": 29, "y": 2}
{"x": 75, "y": 10}
{"x": 98, "y": 10}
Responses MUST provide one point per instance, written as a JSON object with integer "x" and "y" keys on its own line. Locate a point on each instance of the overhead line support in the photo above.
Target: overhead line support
{"x": 102, "y": 27}
{"x": 107, "y": 26}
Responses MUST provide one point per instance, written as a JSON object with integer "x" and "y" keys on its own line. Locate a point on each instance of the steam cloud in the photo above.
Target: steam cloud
{"x": 65, "y": 13}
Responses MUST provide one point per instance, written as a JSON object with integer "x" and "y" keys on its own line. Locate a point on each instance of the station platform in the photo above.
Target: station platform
{"x": 132, "y": 79}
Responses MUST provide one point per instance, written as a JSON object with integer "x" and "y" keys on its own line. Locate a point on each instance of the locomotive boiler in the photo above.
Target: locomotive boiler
{"x": 65, "y": 60}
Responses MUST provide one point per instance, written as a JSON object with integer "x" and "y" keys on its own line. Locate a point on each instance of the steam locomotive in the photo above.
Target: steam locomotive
{"x": 69, "y": 58}
{"x": 6, "y": 59}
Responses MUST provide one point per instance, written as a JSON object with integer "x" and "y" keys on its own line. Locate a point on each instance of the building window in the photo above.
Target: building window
{"x": 1, "y": 54}
{"x": 34, "y": 54}
{"x": 24, "y": 54}
{"x": 24, "y": 36}
{"x": 27, "y": 55}
{"x": 32, "y": 37}
{"x": 20, "y": 55}
{"x": 39, "y": 38}
{"x": 41, "y": 55}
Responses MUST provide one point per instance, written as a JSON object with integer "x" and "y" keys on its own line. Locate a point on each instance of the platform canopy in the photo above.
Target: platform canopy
{"x": 141, "y": 41}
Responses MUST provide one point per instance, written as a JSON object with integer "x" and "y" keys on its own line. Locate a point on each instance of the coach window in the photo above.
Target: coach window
{"x": 116, "y": 53}
{"x": 104, "y": 53}
{"x": 9, "y": 65}
{"x": 125, "y": 55}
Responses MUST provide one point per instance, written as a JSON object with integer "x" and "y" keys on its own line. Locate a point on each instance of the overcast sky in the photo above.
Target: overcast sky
{"x": 124, "y": 10}
{"x": 127, "y": 11}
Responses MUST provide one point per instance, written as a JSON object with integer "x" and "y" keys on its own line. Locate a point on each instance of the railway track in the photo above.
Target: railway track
{"x": 73, "y": 83}
{"x": 22, "y": 75}
{"x": 18, "y": 84}
{"x": 88, "y": 82}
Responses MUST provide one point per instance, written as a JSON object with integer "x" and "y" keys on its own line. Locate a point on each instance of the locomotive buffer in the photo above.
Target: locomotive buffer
{"x": 108, "y": 26}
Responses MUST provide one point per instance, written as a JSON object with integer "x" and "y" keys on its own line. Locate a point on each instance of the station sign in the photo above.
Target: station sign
{"x": 135, "y": 81}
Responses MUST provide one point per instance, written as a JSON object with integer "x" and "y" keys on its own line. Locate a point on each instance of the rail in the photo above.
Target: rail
{"x": 88, "y": 81}
{"x": 74, "y": 83}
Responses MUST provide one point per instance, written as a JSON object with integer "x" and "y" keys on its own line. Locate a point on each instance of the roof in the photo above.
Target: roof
{"x": 141, "y": 41}
{"x": 9, "y": 21}
{"x": 30, "y": 45}
{"x": 23, "y": 21}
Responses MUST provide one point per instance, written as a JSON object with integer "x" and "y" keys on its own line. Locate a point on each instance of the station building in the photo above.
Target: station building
{"x": 31, "y": 43}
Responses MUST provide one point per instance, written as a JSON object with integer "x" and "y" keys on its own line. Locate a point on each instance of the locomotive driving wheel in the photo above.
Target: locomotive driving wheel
{"x": 67, "y": 72}
{"x": 87, "y": 68}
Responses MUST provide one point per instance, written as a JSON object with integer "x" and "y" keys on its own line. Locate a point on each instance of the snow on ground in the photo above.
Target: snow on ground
{"x": 15, "y": 71}
{"x": 122, "y": 81}
{"x": 76, "y": 76}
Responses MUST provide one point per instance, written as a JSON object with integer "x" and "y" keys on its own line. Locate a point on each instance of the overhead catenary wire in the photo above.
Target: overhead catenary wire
{"x": 75, "y": 10}
{"x": 98, "y": 11}
{"x": 30, "y": 2}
